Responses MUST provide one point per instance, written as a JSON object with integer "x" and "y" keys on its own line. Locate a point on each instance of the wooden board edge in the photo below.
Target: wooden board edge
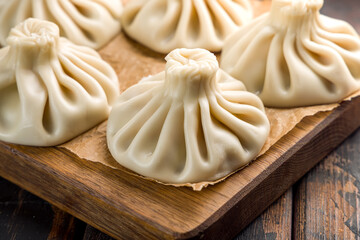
{"x": 30, "y": 180}
{"x": 224, "y": 220}
{"x": 333, "y": 130}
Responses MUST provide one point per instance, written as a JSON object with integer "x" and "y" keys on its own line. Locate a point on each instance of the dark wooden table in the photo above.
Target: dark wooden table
{"x": 322, "y": 205}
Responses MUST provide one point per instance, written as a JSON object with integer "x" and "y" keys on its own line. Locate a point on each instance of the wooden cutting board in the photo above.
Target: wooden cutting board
{"x": 128, "y": 207}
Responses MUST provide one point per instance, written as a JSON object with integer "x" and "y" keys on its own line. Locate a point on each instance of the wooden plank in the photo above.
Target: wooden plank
{"x": 94, "y": 234}
{"x": 274, "y": 223}
{"x": 327, "y": 202}
{"x": 126, "y": 206}
{"x": 25, "y": 216}
{"x": 65, "y": 226}
{"x": 22, "y": 213}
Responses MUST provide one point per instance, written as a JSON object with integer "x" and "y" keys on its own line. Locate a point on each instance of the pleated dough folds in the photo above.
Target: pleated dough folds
{"x": 294, "y": 56}
{"x": 164, "y": 25}
{"x": 91, "y": 23}
{"x": 189, "y": 124}
{"x": 50, "y": 89}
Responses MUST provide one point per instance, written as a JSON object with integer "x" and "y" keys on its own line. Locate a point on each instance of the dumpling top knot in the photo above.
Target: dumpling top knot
{"x": 191, "y": 62}
{"x": 91, "y": 23}
{"x": 288, "y": 12}
{"x": 187, "y": 69}
{"x": 34, "y": 32}
{"x": 297, "y": 7}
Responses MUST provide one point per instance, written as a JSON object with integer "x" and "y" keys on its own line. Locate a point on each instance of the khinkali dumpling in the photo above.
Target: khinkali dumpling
{"x": 294, "y": 56}
{"x": 50, "y": 89}
{"x": 164, "y": 25}
{"x": 189, "y": 124}
{"x": 91, "y": 23}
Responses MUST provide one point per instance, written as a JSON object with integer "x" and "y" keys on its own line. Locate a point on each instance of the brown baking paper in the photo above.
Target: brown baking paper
{"x": 92, "y": 145}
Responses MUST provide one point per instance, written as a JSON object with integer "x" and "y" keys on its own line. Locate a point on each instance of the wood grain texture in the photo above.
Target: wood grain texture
{"x": 94, "y": 234}
{"x": 65, "y": 226}
{"x": 25, "y": 216}
{"x": 327, "y": 202}
{"x": 126, "y": 206}
{"x": 21, "y": 212}
{"x": 274, "y": 223}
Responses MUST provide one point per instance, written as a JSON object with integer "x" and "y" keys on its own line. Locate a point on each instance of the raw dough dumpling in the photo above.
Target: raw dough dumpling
{"x": 164, "y": 25}
{"x": 189, "y": 124}
{"x": 91, "y": 23}
{"x": 294, "y": 56}
{"x": 50, "y": 89}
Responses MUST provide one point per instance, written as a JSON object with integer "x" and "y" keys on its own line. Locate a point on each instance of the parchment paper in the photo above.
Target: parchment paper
{"x": 92, "y": 145}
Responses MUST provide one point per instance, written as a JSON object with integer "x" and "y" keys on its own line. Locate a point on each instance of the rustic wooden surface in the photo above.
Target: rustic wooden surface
{"x": 322, "y": 205}
{"x": 130, "y": 207}
{"x": 327, "y": 199}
